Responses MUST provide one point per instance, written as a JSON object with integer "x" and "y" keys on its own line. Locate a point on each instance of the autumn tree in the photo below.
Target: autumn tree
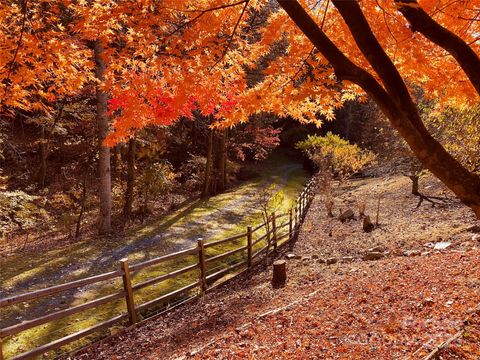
{"x": 388, "y": 88}
{"x": 196, "y": 53}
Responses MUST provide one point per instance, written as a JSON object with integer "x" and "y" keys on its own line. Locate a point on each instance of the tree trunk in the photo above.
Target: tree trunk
{"x": 43, "y": 153}
{"x": 104, "y": 174}
{"x": 222, "y": 161}
{"x": 415, "y": 179}
{"x": 82, "y": 205}
{"x": 115, "y": 159}
{"x": 127, "y": 207}
{"x": 394, "y": 101}
{"x": 208, "y": 166}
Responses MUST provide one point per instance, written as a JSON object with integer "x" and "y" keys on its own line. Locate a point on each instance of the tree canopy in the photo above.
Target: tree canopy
{"x": 231, "y": 59}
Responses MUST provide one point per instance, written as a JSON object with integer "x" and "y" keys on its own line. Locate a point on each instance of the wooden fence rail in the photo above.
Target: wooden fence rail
{"x": 244, "y": 256}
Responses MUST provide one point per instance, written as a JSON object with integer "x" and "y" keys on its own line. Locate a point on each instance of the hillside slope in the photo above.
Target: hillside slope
{"x": 394, "y": 307}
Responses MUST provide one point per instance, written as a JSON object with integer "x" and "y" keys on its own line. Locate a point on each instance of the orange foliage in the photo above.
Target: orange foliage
{"x": 202, "y": 49}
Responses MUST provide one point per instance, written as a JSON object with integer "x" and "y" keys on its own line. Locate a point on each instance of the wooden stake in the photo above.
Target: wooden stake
{"x": 279, "y": 273}
{"x": 290, "y": 224}
{"x": 274, "y": 231}
{"x": 202, "y": 266}
{"x": 300, "y": 208}
{"x": 249, "y": 245}
{"x": 127, "y": 285}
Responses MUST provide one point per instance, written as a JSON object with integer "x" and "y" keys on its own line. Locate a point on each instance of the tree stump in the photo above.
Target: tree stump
{"x": 279, "y": 274}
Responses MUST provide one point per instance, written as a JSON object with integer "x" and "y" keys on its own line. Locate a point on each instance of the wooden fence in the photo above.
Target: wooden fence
{"x": 274, "y": 233}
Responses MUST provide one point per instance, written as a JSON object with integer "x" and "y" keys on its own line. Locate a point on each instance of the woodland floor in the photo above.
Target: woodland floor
{"x": 221, "y": 216}
{"x": 393, "y": 308}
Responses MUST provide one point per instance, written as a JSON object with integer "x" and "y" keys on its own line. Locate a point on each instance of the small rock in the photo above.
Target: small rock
{"x": 474, "y": 228}
{"x": 367, "y": 224}
{"x": 373, "y": 256}
{"x": 476, "y": 237}
{"x": 376, "y": 249}
{"x": 429, "y": 245}
{"x": 314, "y": 256}
{"x": 347, "y": 259}
{"x": 291, "y": 256}
{"x": 331, "y": 261}
{"x": 321, "y": 261}
{"x": 442, "y": 245}
{"x": 410, "y": 253}
{"x": 346, "y": 215}
{"x": 425, "y": 253}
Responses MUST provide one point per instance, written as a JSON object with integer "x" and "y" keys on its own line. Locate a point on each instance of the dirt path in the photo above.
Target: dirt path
{"x": 221, "y": 216}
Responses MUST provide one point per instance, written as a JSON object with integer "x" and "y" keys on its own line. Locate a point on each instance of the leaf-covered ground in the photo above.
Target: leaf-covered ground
{"x": 395, "y": 307}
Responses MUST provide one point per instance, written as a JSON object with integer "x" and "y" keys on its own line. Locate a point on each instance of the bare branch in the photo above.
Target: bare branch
{"x": 230, "y": 40}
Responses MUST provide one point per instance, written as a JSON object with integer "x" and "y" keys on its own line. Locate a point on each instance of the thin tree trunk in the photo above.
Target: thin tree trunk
{"x": 43, "y": 153}
{"x": 223, "y": 161}
{"x": 127, "y": 208}
{"x": 115, "y": 159}
{"x": 82, "y": 205}
{"x": 394, "y": 101}
{"x": 208, "y": 166}
{"x": 415, "y": 179}
{"x": 104, "y": 174}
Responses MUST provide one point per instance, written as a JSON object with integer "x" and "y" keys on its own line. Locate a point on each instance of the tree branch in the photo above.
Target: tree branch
{"x": 230, "y": 39}
{"x": 422, "y": 22}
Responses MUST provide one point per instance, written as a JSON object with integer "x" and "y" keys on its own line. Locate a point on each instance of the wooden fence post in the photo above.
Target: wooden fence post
{"x": 249, "y": 245}
{"x": 127, "y": 286}
{"x": 202, "y": 266}
{"x": 274, "y": 231}
{"x": 290, "y": 225}
{"x": 296, "y": 215}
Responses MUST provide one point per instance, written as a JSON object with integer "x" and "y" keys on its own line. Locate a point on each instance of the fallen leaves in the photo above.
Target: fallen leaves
{"x": 391, "y": 308}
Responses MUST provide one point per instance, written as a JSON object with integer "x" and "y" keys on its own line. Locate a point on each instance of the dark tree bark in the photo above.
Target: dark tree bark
{"x": 214, "y": 171}
{"x": 127, "y": 207}
{"x": 222, "y": 161}
{"x": 43, "y": 154}
{"x": 104, "y": 174}
{"x": 83, "y": 199}
{"x": 208, "y": 166}
{"x": 421, "y": 22}
{"x": 115, "y": 159}
{"x": 394, "y": 100}
{"x": 415, "y": 179}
